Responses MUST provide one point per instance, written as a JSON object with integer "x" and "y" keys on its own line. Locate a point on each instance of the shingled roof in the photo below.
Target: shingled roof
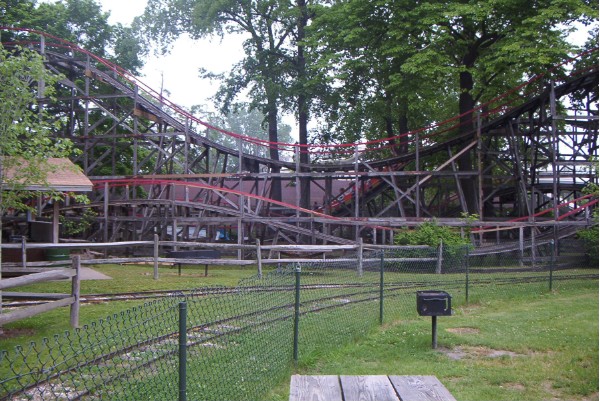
{"x": 63, "y": 176}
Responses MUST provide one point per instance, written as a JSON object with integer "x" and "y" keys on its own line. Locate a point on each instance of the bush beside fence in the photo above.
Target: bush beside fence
{"x": 240, "y": 342}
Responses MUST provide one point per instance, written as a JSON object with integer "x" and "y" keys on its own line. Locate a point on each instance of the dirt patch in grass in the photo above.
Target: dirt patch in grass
{"x": 549, "y": 388}
{"x": 463, "y": 330}
{"x": 514, "y": 386}
{"x": 465, "y": 352}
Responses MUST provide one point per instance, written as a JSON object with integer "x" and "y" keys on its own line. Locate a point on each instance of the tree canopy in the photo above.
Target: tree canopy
{"x": 395, "y": 66}
{"x": 79, "y": 21}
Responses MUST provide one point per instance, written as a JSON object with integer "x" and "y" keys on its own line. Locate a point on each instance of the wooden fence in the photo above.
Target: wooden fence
{"x": 39, "y": 275}
{"x": 274, "y": 253}
{"x": 43, "y": 271}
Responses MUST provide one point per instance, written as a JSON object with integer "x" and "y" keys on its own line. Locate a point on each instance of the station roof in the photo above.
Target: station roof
{"x": 63, "y": 176}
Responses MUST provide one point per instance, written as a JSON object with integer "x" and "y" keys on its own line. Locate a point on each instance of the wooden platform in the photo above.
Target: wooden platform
{"x": 368, "y": 388}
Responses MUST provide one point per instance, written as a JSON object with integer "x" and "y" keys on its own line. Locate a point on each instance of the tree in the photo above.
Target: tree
{"x": 393, "y": 66}
{"x": 25, "y": 134}
{"x": 489, "y": 46}
{"x": 273, "y": 73}
{"x": 358, "y": 49}
{"x": 79, "y": 21}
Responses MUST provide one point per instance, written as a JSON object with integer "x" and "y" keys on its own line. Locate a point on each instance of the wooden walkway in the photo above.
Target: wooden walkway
{"x": 368, "y": 388}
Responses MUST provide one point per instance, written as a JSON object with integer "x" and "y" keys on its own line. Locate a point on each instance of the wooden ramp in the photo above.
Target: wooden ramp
{"x": 368, "y": 388}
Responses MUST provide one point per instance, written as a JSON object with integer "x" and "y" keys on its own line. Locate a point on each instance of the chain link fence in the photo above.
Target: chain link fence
{"x": 222, "y": 343}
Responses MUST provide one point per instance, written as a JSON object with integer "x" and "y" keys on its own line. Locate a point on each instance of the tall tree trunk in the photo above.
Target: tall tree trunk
{"x": 303, "y": 103}
{"x": 403, "y": 125}
{"x": 466, "y": 103}
{"x": 273, "y": 137}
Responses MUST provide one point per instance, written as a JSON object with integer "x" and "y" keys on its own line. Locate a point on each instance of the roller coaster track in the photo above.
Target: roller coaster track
{"x": 187, "y": 176}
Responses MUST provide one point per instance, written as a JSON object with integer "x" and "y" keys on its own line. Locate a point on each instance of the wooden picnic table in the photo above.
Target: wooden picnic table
{"x": 368, "y": 388}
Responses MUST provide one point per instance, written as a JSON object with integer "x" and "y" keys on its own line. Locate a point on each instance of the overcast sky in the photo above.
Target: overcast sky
{"x": 179, "y": 69}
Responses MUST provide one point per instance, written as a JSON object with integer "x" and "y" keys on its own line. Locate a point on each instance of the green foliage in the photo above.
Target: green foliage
{"x": 430, "y": 233}
{"x": 591, "y": 240}
{"x": 71, "y": 226}
{"x": 79, "y": 21}
{"x": 25, "y": 128}
{"x": 389, "y": 67}
{"x": 591, "y": 236}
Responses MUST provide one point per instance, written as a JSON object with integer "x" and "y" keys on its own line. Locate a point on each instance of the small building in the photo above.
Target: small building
{"x": 62, "y": 176}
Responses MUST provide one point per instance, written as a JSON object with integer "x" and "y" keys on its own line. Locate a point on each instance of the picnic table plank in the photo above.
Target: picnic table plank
{"x": 421, "y": 388}
{"x": 368, "y": 388}
{"x": 315, "y": 388}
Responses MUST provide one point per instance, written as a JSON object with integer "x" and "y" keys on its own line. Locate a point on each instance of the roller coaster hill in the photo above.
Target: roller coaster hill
{"x": 158, "y": 169}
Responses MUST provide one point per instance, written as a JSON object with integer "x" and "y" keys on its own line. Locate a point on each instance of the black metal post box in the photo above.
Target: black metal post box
{"x": 434, "y": 303}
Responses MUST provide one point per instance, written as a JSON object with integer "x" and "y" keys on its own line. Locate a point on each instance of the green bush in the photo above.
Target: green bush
{"x": 590, "y": 236}
{"x": 431, "y": 233}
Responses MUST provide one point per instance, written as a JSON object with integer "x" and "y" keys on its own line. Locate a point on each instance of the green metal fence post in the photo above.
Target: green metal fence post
{"x": 381, "y": 265}
{"x": 297, "y": 313}
{"x": 552, "y": 251}
{"x": 467, "y": 264}
{"x": 182, "y": 351}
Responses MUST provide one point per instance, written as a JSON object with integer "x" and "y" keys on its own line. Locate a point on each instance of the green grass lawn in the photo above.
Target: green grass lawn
{"x": 125, "y": 278}
{"x": 513, "y": 341}
{"x": 134, "y": 278}
{"x": 541, "y": 346}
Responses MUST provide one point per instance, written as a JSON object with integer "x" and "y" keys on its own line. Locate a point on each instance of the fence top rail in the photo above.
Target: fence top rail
{"x": 78, "y": 245}
{"x": 213, "y": 245}
{"x": 38, "y": 277}
{"x": 308, "y": 248}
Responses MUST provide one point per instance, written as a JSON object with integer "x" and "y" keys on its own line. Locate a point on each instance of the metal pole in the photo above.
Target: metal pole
{"x": 182, "y": 351}
{"x": 297, "y": 313}
{"x": 438, "y": 268}
{"x": 155, "y": 257}
{"x": 434, "y": 332}
{"x": 381, "y": 265}
{"x": 551, "y": 263}
{"x": 467, "y": 265}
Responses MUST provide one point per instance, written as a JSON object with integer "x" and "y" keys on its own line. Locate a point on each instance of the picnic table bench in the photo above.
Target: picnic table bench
{"x": 190, "y": 257}
{"x": 368, "y": 388}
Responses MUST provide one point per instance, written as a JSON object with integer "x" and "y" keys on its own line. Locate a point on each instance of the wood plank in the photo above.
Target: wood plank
{"x": 315, "y": 388}
{"x": 33, "y": 278}
{"x": 309, "y": 248}
{"x": 33, "y": 295}
{"x": 34, "y": 310}
{"x": 146, "y": 114}
{"x": 421, "y": 388}
{"x": 368, "y": 388}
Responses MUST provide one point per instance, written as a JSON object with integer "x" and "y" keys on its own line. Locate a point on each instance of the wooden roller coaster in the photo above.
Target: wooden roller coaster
{"x": 158, "y": 169}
